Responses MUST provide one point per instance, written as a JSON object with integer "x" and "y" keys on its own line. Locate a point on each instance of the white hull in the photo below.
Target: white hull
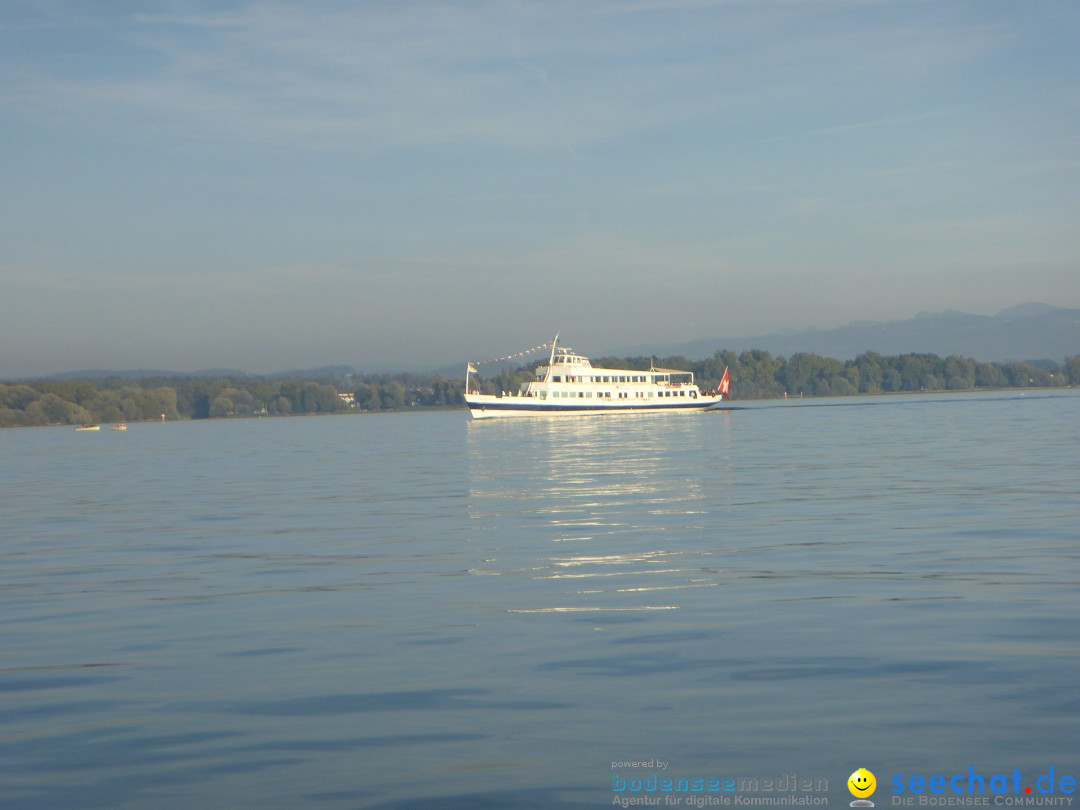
{"x": 485, "y": 406}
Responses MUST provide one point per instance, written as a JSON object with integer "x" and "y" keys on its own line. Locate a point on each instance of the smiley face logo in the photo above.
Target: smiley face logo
{"x": 862, "y": 783}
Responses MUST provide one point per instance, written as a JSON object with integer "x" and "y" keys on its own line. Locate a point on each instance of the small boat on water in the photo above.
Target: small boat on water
{"x": 119, "y": 426}
{"x": 88, "y": 427}
{"x": 569, "y": 385}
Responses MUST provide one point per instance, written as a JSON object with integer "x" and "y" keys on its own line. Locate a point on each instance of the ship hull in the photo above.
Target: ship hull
{"x": 484, "y": 406}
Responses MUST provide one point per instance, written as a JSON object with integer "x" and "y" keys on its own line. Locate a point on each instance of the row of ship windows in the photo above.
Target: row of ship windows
{"x": 615, "y": 378}
{"x": 607, "y": 394}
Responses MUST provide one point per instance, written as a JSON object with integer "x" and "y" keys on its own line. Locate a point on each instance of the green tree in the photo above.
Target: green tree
{"x": 9, "y": 417}
{"x": 871, "y": 372}
{"x": 959, "y": 373}
{"x": 232, "y": 402}
{"x": 106, "y": 407}
{"x": 757, "y": 373}
{"x": 17, "y": 397}
{"x": 318, "y": 398}
{"x": 921, "y": 372}
{"x": 393, "y": 395}
{"x": 50, "y": 409}
{"x": 1072, "y": 369}
{"x": 367, "y": 397}
{"x": 990, "y": 375}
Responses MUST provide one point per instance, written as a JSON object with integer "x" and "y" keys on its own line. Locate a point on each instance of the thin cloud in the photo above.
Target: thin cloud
{"x": 518, "y": 76}
{"x": 876, "y": 123}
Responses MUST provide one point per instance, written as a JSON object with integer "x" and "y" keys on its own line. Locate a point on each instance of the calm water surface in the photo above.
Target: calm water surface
{"x": 414, "y": 610}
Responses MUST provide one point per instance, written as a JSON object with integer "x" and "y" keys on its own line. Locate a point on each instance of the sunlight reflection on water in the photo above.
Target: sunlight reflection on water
{"x": 385, "y": 611}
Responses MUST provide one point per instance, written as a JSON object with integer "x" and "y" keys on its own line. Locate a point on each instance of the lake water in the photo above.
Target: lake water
{"x": 418, "y": 611}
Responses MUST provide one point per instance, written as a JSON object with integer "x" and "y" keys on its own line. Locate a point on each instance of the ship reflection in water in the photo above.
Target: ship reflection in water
{"x": 617, "y": 522}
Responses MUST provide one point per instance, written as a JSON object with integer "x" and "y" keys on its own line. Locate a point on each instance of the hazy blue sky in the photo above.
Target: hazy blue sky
{"x": 273, "y": 185}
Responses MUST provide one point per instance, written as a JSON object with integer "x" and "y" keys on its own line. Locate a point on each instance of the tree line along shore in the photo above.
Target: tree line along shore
{"x": 754, "y": 375}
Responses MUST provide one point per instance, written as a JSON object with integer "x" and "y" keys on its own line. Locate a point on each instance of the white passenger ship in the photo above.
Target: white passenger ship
{"x": 569, "y": 385}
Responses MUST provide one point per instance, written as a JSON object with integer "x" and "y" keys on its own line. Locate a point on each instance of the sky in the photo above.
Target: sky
{"x": 275, "y": 185}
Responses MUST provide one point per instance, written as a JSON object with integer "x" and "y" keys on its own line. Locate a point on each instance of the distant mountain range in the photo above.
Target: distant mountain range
{"x": 141, "y": 374}
{"x": 323, "y": 372}
{"x": 1026, "y": 332}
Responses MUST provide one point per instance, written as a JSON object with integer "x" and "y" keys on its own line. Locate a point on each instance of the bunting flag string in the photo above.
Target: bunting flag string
{"x": 541, "y": 347}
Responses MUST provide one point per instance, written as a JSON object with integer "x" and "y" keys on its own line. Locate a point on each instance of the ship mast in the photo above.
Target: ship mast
{"x": 551, "y": 360}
